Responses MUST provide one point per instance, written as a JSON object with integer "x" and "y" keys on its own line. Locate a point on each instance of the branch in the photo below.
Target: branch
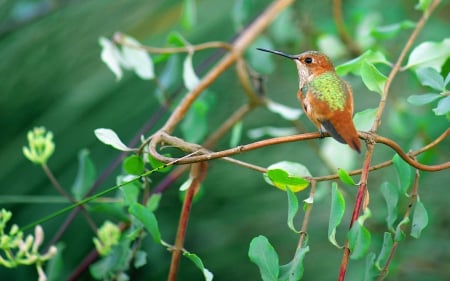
{"x": 206, "y": 155}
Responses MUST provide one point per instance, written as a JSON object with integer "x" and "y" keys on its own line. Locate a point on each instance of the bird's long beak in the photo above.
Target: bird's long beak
{"x": 292, "y": 57}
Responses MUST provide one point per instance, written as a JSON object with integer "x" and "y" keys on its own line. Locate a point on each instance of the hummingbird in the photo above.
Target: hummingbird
{"x": 326, "y": 99}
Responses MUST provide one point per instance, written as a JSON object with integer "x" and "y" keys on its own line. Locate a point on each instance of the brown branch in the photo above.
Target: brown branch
{"x": 304, "y": 229}
{"x": 342, "y": 31}
{"x": 197, "y": 176}
{"x": 206, "y": 155}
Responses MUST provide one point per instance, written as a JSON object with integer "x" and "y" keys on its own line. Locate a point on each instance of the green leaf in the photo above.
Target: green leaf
{"x": 430, "y": 54}
{"x": 195, "y": 124}
{"x": 403, "y": 172}
{"x": 130, "y": 190}
{"x": 293, "y": 271}
{"x": 134, "y": 165}
{"x": 443, "y": 106}
{"x": 372, "y": 77}
{"x": 199, "y": 264}
{"x": 391, "y": 195}
{"x": 153, "y": 203}
{"x": 169, "y": 78}
{"x": 364, "y": 119}
{"x": 430, "y": 77}
{"x": 264, "y": 256}
{"x": 292, "y": 209}
{"x": 370, "y": 271}
{"x": 241, "y": 13}
{"x": 258, "y": 133}
{"x": 109, "y": 137}
{"x": 359, "y": 237}
{"x": 345, "y": 177}
{"x": 148, "y": 219}
{"x": 189, "y": 17}
{"x": 136, "y": 59}
{"x": 287, "y": 174}
{"x": 140, "y": 259}
{"x": 116, "y": 261}
{"x": 261, "y": 62}
{"x": 155, "y": 163}
{"x": 288, "y": 113}
{"x": 385, "y": 251}
{"x": 86, "y": 175}
{"x": 423, "y": 98}
{"x": 54, "y": 268}
{"x": 423, "y": 5}
{"x": 236, "y": 134}
{"x": 419, "y": 220}
{"x": 389, "y": 31}
{"x": 111, "y": 56}
{"x": 354, "y": 66}
{"x": 399, "y": 234}
{"x": 336, "y": 213}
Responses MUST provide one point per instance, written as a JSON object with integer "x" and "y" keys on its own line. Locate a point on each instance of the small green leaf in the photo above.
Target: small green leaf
{"x": 292, "y": 209}
{"x": 345, "y": 177}
{"x": 264, "y": 256}
{"x": 236, "y": 134}
{"x": 430, "y": 54}
{"x": 399, "y": 234}
{"x": 293, "y": 271}
{"x": 364, "y": 119}
{"x": 199, "y": 264}
{"x": 134, "y": 165}
{"x": 370, "y": 271}
{"x": 443, "y": 106}
{"x": 288, "y": 113}
{"x": 189, "y": 17}
{"x": 423, "y": 98}
{"x": 419, "y": 220}
{"x": 359, "y": 237}
{"x": 140, "y": 259}
{"x": 109, "y": 137}
{"x": 287, "y": 174}
{"x": 430, "y": 77}
{"x": 423, "y": 5}
{"x": 130, "y": 190}
{"x": 148, "y": 219}
{"x": 86, "y": 175}
{"x": 153, "y": 203}
{"x": 385, "y": 250}
{"x": 195, "y": 124}
{"x": 372, "y": 77}
{"x": 336, "y": 213}
{"x": 155, "y": 163}
{"x": 390, "y": 194}
{"x": 354, "y": 66}
{"x": 403, "y": 172}
{"x": 389, "y": 31}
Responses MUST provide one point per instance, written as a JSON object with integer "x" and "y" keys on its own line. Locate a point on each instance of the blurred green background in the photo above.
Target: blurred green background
{"x": 51, "y": 75}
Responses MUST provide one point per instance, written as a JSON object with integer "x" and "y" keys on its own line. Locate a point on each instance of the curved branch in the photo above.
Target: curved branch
{"x": 206, "y": 155}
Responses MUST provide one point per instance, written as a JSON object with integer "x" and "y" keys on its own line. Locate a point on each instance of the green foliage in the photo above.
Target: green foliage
{"x": 345, "y": 177}
{"x": 262, "y": 253}
{"x": 134, "y": 165}
{"x": 359, "y": 237}
{"x": 287, "y": 174}
{"x": 86, "y": 175}
{"x": 336, "y": 213}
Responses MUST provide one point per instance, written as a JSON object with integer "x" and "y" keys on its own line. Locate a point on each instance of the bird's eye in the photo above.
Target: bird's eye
{"x": 308, "y": 60}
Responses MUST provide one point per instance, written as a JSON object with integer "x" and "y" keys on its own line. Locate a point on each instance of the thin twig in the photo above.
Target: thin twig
{"x": 342, "y": 31}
